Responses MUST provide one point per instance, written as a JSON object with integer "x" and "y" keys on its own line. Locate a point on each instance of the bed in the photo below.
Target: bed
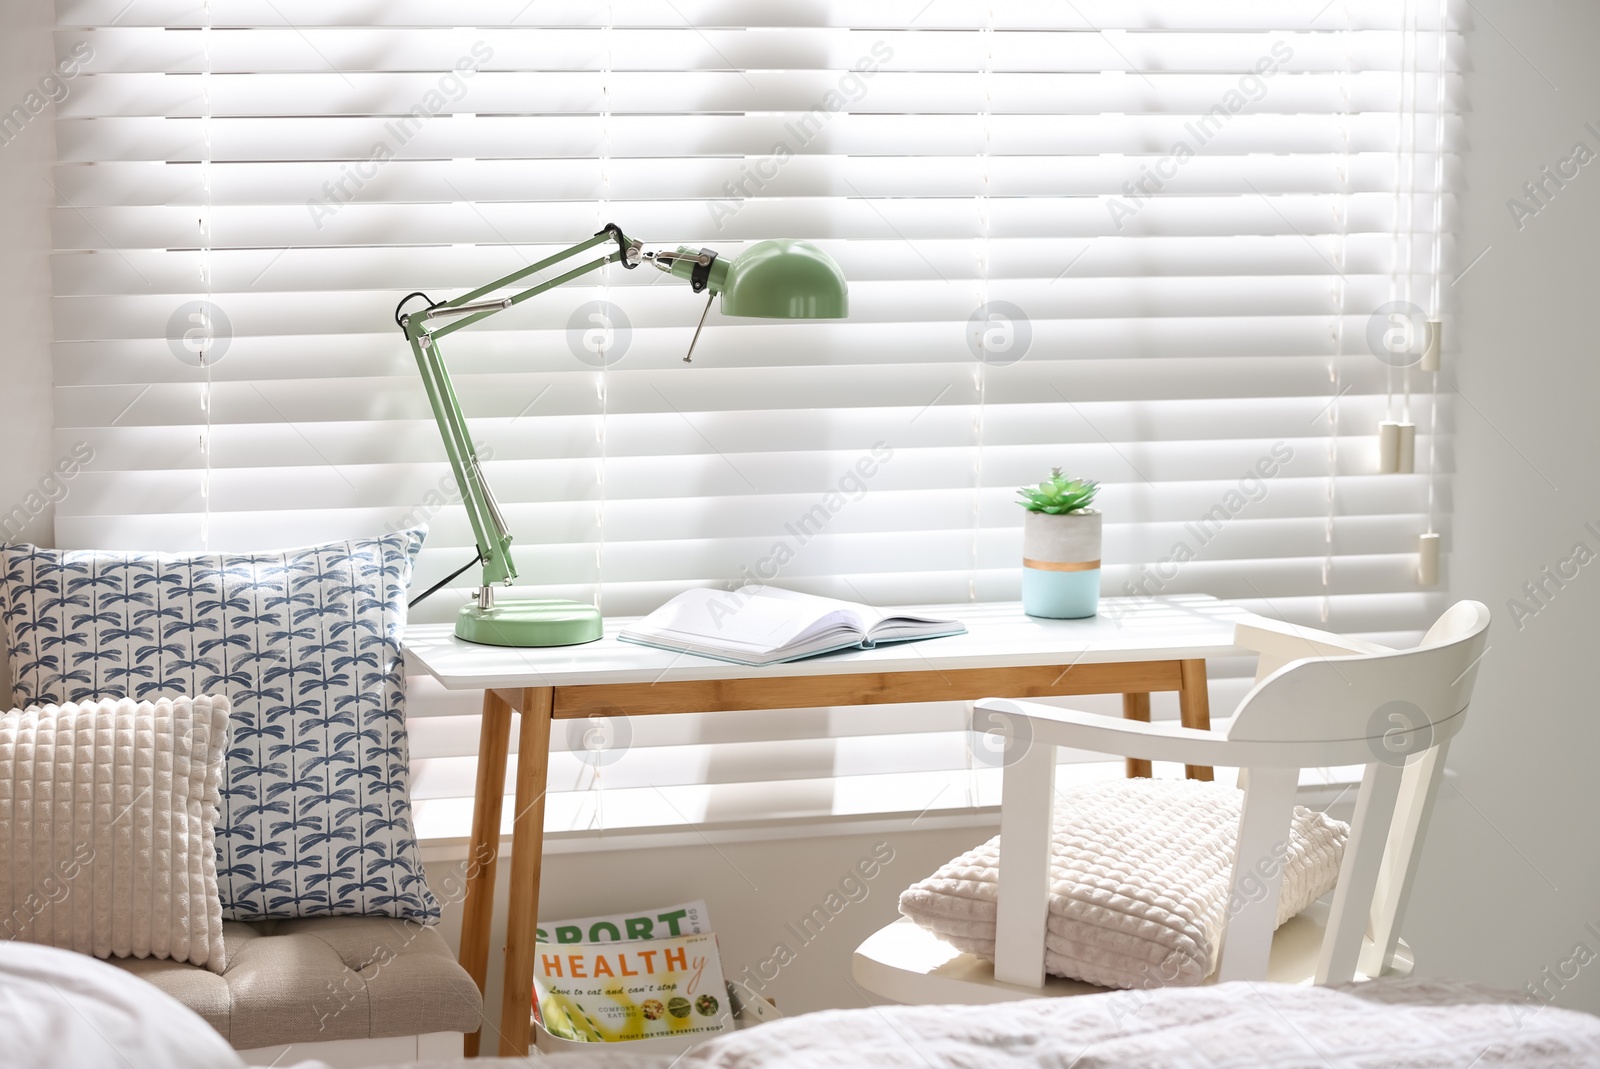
{"x": 60, "y": 1010}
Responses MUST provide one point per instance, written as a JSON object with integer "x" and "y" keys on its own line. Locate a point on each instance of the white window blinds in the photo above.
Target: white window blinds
{"x": 1142, "y": 241}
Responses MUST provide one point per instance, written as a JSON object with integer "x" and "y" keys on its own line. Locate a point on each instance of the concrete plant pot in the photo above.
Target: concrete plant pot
{"x": 1061, "y": 564}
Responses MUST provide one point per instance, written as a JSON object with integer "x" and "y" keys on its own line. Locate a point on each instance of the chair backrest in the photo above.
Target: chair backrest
{"x": 1367, "y": 691}
{"x": 1393, "y": 711}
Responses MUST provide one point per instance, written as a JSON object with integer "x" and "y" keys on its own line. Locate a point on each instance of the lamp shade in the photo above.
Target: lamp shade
{"x": 785, "y": 280}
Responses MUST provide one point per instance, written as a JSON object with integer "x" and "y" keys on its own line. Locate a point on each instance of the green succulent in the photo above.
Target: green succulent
{"x": 1058, "y": 495}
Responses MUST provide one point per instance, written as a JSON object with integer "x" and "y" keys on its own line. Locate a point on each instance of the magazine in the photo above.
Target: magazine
{"x": 641, "y": 989}
{"x": 629, "y": 976}
{"x": 761, "y": 625}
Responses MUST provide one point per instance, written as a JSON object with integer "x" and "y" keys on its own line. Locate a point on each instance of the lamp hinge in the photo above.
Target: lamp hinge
{"x": 701, "y": 275}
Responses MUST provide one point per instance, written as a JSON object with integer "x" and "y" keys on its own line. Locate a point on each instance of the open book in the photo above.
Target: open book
{"x": 761, "y": 625}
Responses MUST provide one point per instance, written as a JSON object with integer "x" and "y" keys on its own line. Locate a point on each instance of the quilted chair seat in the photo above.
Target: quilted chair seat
{"x": 312, "y": 980}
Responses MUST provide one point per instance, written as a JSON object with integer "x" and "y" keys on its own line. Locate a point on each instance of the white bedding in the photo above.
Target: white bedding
{"x": 1404, "y": 1024}
{"x": 61, "y": 1010}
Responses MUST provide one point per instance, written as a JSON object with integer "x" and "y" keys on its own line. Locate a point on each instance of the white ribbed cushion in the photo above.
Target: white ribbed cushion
{"x": 1140, "y": 873}
{"x": 107, "y": 827}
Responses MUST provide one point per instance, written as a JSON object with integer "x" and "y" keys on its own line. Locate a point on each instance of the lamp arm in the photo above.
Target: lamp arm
{"x": 610, "y": 233}
{"x": 489, "y": 527}
{"x": 475, "y": 312}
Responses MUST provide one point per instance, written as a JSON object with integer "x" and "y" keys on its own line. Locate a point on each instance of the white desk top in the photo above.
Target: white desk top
{"x": 998, "y": 635}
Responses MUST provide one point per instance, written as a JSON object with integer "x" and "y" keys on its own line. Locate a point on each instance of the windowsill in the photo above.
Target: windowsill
{"x": 963, "y": 800}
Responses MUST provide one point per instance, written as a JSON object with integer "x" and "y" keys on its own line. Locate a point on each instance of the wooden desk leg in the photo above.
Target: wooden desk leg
{"x": 527, "y": 853}
{"x": 1194, "y": 708}
{"x": 477, "y": 913}
{"x": 1137, "y": 707}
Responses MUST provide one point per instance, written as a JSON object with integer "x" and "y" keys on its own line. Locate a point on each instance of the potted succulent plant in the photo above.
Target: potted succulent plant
{"x": 1060, "y": 548}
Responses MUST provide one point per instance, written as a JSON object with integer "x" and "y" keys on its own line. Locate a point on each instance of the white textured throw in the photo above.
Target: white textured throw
{"x": 1384, "y": 1024}
{"x": 107, "y": 818}
{"x": 1140, "y": 874}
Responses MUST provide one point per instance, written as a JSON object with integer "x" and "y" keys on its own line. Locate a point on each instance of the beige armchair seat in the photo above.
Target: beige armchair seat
{"x": 323, "y": 980}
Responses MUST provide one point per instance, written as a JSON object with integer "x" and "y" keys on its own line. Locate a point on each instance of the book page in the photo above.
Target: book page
{"x": 893, "y": 627}
{"x": 751, "y": 618}
{"x": 857, "y": 614}
{"x": 761, "y": 625}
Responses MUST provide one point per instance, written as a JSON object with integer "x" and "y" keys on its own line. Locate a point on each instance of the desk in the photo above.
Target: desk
{"x": 1133, "y": 648}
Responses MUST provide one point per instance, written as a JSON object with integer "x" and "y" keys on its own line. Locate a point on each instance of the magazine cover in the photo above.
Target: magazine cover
{"x": 614, "y": 991}
{"x": 686, "y": 918}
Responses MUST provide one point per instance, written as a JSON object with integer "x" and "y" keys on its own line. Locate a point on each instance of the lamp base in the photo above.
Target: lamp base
{"x": 528, "y": 622}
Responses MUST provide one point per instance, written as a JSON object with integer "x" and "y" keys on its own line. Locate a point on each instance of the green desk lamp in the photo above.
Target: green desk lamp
{"x": 770, "y": 280}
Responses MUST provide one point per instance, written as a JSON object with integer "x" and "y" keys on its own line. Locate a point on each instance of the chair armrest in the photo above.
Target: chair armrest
{"x": 1292, "y": 642}
{"x": 1161, "y": 741}
{"x": 1278, "y": 643}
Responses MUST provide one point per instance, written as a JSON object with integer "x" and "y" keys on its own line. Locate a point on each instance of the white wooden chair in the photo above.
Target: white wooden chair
{"x": 1320, "y": 700}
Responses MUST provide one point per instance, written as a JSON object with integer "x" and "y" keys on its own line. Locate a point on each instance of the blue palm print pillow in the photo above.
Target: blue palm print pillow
{"x": 316, "y": 801}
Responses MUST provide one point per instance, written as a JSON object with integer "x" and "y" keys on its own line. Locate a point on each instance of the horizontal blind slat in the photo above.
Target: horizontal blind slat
{"x": 674, "y": 14}
{"x": 274, "y": 47}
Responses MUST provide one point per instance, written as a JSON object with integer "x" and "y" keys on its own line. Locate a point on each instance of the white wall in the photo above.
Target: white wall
{"x": 26, "y": 55}
{"x": 1512, "y": 871}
